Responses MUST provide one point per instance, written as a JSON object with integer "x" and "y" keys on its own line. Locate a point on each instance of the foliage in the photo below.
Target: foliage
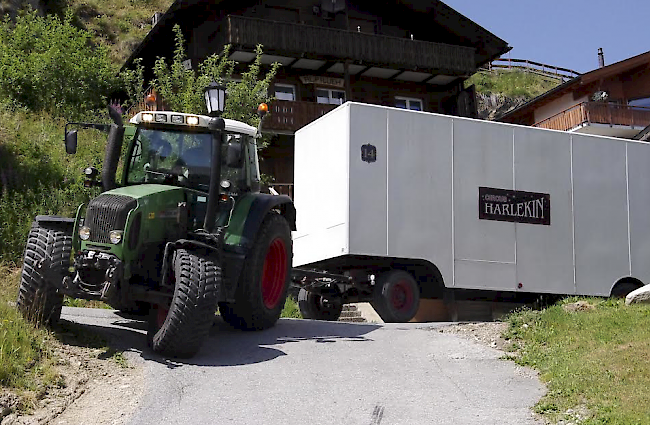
{"x": 182, "y": 89}
{"x": 47, "y": 64}
{"x": 511, "y": 83}
{"x": 594, "y": 361}
{"x": 291, "y": 309}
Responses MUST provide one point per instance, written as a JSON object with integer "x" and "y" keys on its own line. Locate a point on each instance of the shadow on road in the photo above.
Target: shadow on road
{"x": 225, "y": 346}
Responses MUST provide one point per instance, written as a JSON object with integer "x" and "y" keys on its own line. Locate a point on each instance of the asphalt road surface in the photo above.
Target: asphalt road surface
{"x": 310, "y": 372}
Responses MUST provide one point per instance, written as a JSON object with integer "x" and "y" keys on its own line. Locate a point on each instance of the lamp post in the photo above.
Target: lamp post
{"x": 215, "y": 99}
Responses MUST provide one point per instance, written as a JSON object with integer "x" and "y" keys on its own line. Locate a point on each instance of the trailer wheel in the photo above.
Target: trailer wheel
{"x": 179, "y": 329}
{"x": 624, "y": 287}
{"x": 396, "y": 296}
{"x": 47, "y": 259}
{"x": 317, "y": 307}
{"x": 265, "y": 278}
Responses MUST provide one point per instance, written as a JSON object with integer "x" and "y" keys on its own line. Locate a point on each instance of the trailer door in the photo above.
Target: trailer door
{"x": 484, "y": 250}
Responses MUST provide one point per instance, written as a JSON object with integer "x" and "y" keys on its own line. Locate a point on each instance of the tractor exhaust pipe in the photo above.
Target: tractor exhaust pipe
{"x": 113, "y": 149}
{"x": 112, "y": 156}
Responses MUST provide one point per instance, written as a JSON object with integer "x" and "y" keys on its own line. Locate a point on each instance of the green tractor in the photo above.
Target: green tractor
{"x": 182, "y": 232}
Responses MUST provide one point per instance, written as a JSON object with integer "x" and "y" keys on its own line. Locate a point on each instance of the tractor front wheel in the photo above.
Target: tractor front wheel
{"x": 265, "y": 278}
{"x": 396, "y": 296}
{"x": 179, "y": 329}
{"x": 47, "y": 259}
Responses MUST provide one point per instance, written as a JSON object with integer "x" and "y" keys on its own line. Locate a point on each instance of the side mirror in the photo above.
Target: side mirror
{"x": 234, "y": 155}
{"x": 71, "y": 142}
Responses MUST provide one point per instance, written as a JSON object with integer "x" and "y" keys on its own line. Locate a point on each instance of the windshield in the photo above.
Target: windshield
{"x": 178, "y": 158}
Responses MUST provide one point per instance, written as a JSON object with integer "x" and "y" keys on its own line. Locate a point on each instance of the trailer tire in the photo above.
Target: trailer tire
{"x": 312, "y": 306}
{"x": 46, "y": 261}
{"x": 178, "y": 330}
{"x": 396, "y": 296}
{"x": 264, "y": 281}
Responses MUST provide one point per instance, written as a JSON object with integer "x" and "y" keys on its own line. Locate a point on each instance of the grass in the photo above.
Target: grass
{"x": 120, "y": 24}
{"x": 36, "y": 176}
{"x": 25, "y": 360}
{"x": 291, "y": 309}
{"x": 513, "y": 83}
{"x": 596, "y": 362}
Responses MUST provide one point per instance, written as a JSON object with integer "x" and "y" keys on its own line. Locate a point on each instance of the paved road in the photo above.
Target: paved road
{"x": 308, "y": 372}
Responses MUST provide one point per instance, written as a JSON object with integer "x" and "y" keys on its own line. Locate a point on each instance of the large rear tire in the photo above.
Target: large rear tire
{"x": 264, "y": 282}
{"x": 396, "y": 297}
{"x": 46, "y": 261}
{"x": 179, "y": 329}
{"x": 316, "y": 307}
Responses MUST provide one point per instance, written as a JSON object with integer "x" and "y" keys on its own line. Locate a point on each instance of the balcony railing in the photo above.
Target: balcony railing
{"x": 597, "y": 113}
{"x": 287, "y": 116}
{"x": 295, "y": 39}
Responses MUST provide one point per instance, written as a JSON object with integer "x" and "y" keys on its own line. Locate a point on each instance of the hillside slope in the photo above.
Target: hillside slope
{"x": 119, "y": 24}
{"x": 501, "y": 91}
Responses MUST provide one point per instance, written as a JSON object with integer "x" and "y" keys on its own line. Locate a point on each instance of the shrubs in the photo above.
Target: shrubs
{"x": 47, "y": 64}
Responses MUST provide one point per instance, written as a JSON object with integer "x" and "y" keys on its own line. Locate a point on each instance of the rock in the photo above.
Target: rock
{"x": 638, "y": 296}
{"x": 578, "y": 306}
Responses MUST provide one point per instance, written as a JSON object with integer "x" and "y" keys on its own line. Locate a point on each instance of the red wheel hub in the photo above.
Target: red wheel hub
{"x": 401, "y": 296}
{"x": 274, "y": 273}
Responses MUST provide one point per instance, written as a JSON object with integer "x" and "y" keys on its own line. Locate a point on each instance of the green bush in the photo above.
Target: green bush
{"x": 47, "y": 64}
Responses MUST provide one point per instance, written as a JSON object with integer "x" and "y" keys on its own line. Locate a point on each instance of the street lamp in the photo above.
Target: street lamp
{"x": 215, "y": 98}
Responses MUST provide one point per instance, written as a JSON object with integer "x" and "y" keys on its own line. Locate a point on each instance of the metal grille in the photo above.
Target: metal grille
{"x": 106, "y": 213}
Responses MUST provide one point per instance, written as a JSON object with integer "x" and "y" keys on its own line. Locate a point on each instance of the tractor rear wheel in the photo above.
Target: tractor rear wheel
{"x": 47, "y": 259}
{"x": 264, "y": 280}
{"x": 317, "y": 307}
{"x": 179, "y": 329}
{"x": 396, "y": 296}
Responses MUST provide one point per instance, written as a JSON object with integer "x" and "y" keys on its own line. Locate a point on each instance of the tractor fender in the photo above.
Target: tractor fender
{"x": 66, "y": 222}
{"x": 249, "y": 215}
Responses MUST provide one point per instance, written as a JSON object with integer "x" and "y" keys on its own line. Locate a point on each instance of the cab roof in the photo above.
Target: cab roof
{"x": 179, "y": 119}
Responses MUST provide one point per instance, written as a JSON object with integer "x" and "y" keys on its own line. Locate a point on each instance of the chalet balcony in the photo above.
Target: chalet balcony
{"x": 296, "y": 40}
{"x": 607, "y": 119}
{"x": 287, "y": 116}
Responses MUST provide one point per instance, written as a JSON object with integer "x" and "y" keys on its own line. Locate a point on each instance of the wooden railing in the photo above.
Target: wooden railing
{"x": 288, "y": 116}
{"x": 597, "y": 113}
{"x": 323, "y": 42}
{"x": 542, "y": 69}
{"x": 283, "y": 188}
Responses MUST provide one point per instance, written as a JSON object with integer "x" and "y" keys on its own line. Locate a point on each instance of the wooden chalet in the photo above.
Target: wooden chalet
{"x": 612, "y": 100}
{"x": 412, "y": 54}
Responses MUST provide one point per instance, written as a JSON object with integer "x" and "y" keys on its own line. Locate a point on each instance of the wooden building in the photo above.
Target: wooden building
{"x": 612, "y": 100}
{"x": 412, "y": 54}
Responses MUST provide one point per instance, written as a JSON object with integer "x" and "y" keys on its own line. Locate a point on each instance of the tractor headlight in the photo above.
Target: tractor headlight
{"x": 115, "y": 236}
{"x": 84, "y": 233}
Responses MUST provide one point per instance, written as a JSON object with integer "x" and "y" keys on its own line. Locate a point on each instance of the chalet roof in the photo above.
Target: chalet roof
{"x": 465, "y": 32}
{"x": 577, "y": 83}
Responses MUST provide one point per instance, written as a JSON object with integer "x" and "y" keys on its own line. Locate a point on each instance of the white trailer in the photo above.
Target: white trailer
{"x": 463, "y": 204}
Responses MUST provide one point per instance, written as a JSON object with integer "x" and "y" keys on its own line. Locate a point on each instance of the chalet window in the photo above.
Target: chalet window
{"x": 408, "y": 103}
{"x": 285, "y": 92}
{"x": 331, "y": 96}
{"x": 643, "y": 102}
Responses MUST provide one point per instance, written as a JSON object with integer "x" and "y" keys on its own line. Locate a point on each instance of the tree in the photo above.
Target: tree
{"x": 182, "y": 89}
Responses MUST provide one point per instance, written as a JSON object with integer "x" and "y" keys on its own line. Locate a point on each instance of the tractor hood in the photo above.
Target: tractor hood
{"x": 147, "y": 190}
{"x": 145, "y": 214}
